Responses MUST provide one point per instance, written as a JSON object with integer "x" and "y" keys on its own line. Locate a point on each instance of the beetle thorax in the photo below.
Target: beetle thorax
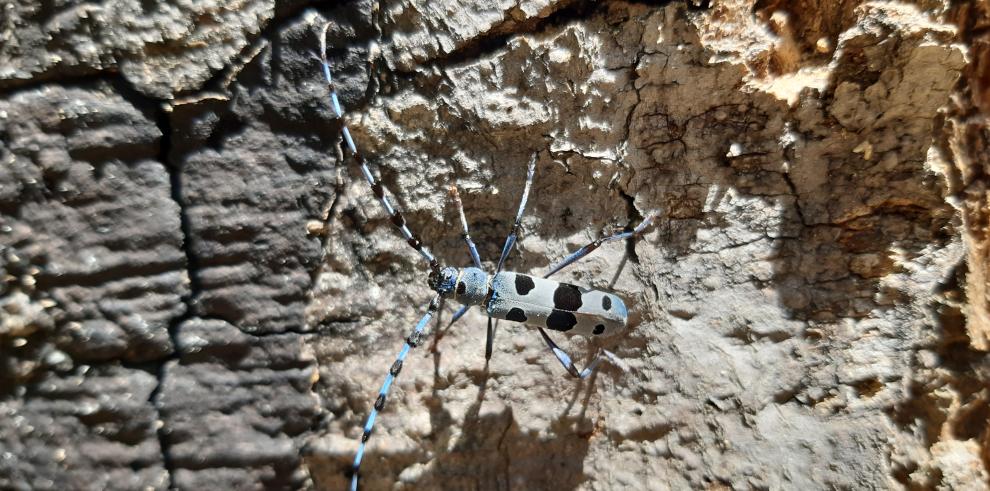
{"x": 471, "y": 286}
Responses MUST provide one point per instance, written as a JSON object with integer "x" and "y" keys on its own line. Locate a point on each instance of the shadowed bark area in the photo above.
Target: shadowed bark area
{"x": 197, "y": 292}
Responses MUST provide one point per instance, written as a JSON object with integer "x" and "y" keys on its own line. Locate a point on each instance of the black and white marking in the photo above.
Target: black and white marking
{"x": 557, "y": 306}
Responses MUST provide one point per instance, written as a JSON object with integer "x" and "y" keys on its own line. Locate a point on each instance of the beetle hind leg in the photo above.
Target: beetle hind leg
{"x": 572, "y": 369}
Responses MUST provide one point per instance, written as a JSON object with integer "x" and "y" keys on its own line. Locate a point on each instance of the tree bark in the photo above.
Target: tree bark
{"x": 200, "y": 292}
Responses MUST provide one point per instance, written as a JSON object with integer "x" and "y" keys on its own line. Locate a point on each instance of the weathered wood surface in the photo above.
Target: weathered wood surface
{"x": 197, "y": 294}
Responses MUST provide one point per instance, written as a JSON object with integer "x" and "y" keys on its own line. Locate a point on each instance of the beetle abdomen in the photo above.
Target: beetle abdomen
{"x": 554, "y": 305}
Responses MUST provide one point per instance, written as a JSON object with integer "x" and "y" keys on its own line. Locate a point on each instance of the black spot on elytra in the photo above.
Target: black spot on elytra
{"x": 516, "y": 314}
{"x": 461, "y": 288}
{"x": 567, "y": 297}
{"x": 559, "y": 320}
{"x": 599, "y": 328}
{"x": 606, "y": 303}
{"x": 524, "y": 284}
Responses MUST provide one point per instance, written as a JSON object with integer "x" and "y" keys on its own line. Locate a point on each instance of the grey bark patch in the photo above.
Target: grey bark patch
{"x": 215, "y": 350}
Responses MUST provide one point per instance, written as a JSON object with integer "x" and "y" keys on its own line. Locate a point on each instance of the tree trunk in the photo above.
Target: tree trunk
{"x": 200, "y": 290}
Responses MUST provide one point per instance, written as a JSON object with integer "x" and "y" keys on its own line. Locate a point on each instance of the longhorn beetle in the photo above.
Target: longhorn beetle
{"x": 538, "y": 302}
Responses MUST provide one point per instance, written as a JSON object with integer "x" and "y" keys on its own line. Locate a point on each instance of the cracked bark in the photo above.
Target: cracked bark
{"x": 186, "y": 264}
